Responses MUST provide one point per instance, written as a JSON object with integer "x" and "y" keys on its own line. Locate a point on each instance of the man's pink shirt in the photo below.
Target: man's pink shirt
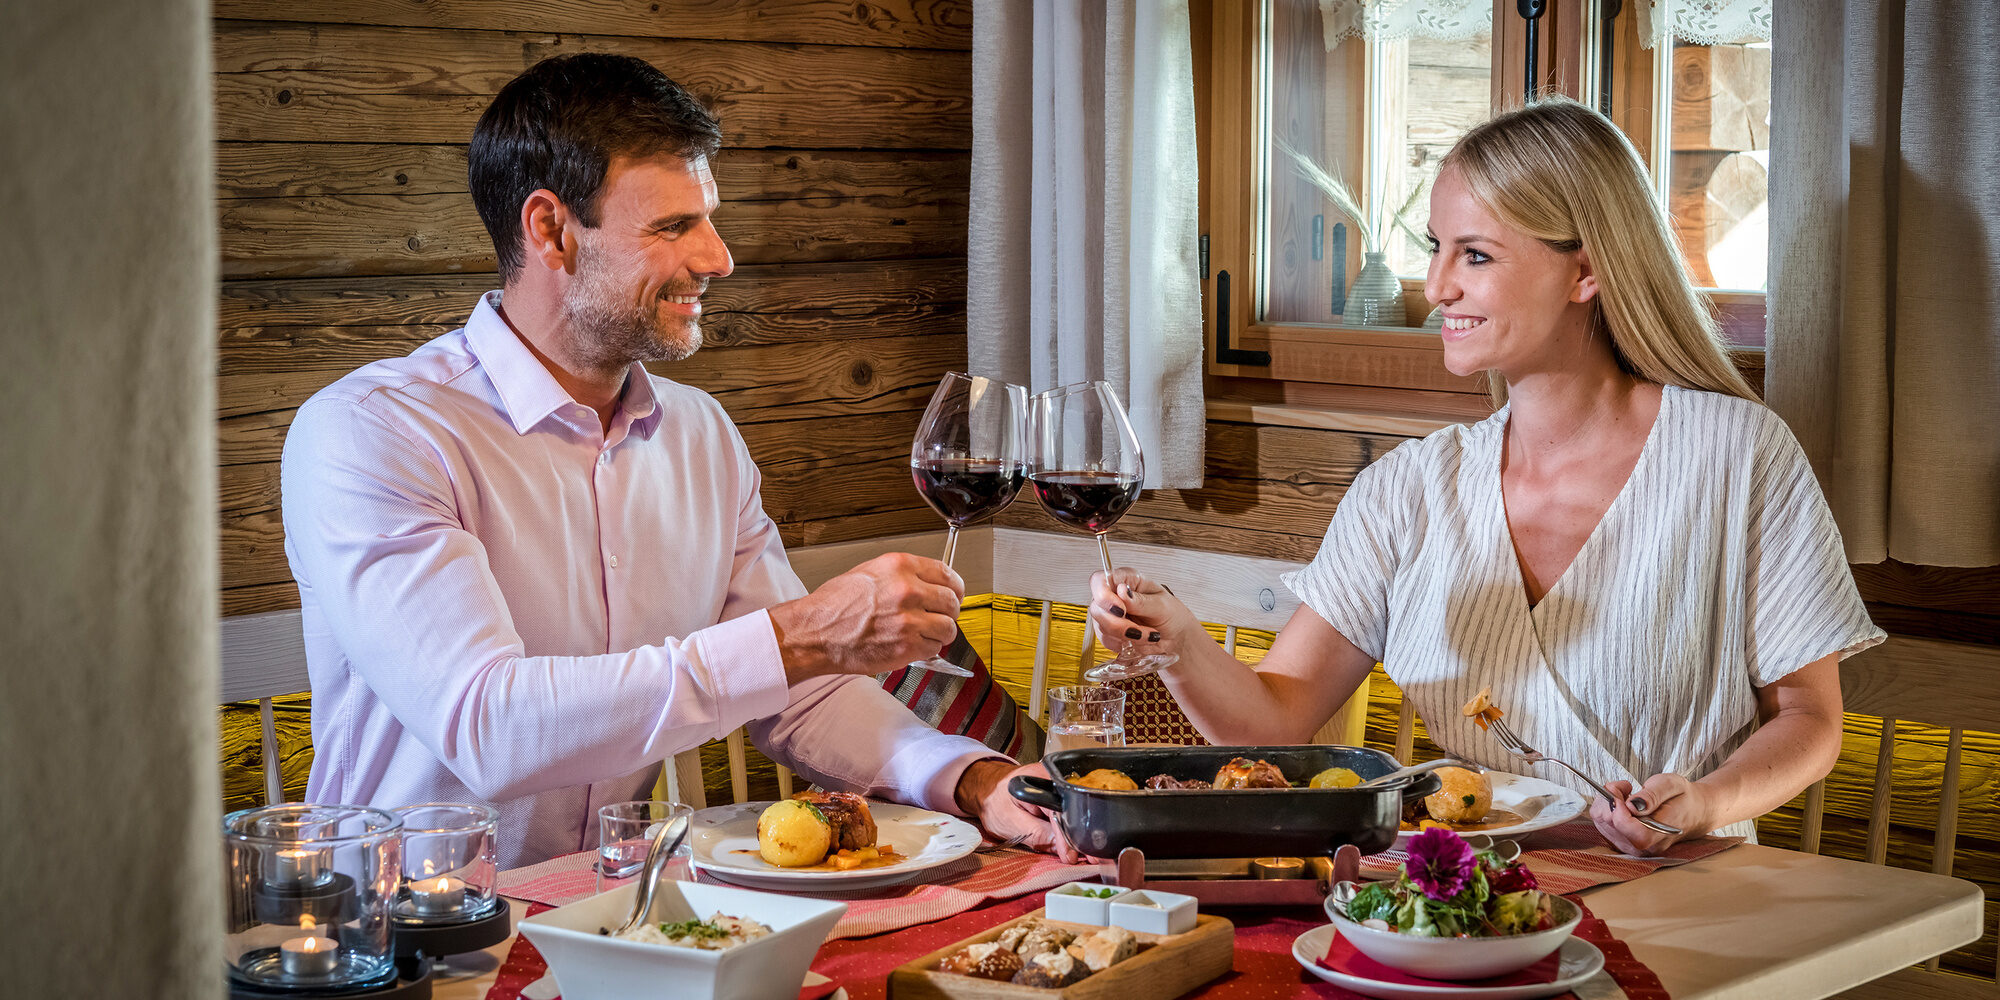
{"x": 505, "y": 603}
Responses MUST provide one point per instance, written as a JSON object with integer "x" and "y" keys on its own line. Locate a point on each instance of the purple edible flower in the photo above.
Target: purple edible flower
{"x": 1512, "y": 878}
{"x": 1440, "y": 863}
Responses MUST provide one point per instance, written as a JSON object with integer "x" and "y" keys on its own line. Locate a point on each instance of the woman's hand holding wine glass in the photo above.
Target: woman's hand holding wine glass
{"x": 1087, "y": 468}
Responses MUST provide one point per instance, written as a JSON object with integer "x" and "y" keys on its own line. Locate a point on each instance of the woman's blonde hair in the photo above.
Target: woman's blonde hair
{"x": 1565, "y": 175}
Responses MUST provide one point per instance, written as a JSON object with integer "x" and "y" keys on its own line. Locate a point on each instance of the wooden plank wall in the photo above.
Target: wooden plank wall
{"x": 348, "y": 235}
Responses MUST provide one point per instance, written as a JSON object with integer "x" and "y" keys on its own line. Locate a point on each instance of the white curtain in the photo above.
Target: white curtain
{"x": 109, "y": 783}
{"x": 1393, "y": 20}
{"x": 1082, "y": 244}
{"x": 1884, "y": 349}
{"x": 1702, "y": 22}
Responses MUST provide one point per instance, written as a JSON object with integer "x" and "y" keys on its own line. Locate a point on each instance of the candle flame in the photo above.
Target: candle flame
{"x": 315, "y": 944}
{"x": 441, "y": 885}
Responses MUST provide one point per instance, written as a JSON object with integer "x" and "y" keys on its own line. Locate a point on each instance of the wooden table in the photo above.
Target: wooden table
{"x": 1752, "y": 922}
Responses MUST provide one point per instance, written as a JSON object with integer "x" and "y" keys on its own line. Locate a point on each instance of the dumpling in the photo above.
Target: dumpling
{"x": 1465, "y": 797}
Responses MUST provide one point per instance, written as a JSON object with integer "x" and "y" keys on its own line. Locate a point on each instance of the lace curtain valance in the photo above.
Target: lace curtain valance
{"x": 1389, "y": 20}
{"x": 1702, "y": 22}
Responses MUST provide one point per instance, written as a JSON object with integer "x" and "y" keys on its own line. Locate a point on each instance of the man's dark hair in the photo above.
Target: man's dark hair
{"x": 558, "y": 125}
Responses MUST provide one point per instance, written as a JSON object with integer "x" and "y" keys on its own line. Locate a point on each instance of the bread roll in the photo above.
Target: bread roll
{"x": 1052, "y": 970}
{"x": 990, "y": 960}
{"x": 1107, "y": 948}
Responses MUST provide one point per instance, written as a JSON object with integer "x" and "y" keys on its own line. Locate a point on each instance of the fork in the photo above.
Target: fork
{"x": 1008, "y": 844}
{"x": 1519, "y": 748}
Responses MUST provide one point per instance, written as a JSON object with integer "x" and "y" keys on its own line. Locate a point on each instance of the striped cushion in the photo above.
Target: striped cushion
{"x": 968, "y": 706}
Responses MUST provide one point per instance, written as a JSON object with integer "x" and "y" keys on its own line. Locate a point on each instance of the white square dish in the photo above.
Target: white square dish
{"x": 589, "y": 965}
{"x": 1153, "y": 912}
{"x": 1082, "y": 902}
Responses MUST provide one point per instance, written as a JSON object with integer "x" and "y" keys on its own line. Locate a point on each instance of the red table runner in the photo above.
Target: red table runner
{"x": 861, "y": 954}
{"x": 1263, "y": 970}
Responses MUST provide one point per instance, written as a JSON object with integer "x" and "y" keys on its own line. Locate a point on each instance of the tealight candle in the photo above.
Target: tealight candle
{"x": 438, "y": 897}
{"x": 1277, "y": 868}
{"x": 309, "y": 957}
{"x": 299, "y": 865}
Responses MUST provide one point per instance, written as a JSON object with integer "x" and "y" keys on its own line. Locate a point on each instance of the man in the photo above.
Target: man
{"x": 530, "y": 571}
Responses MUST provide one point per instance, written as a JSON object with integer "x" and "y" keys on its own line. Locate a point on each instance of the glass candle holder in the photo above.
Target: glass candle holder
{"x": 309, "y": 889}
{"x": 450, "y": 865}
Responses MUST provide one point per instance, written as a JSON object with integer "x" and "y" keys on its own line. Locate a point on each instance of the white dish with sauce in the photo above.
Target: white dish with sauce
{"x": 588, "y": 965}
{"x": 1520, "y": 805}
{"x": 724, "y": 839}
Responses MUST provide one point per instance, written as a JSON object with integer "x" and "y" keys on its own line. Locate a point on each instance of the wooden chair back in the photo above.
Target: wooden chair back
{"x": 264, "y": 656}
{"x": 1930, "y": 682}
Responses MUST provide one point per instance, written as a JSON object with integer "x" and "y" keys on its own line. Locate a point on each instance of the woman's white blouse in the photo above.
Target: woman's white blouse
{"x": 1716, "y": 570}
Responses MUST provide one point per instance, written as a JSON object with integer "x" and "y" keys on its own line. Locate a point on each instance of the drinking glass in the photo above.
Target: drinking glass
{"x": 968, "y": 459}
{"x": 1085, "y": 464}
{"x": 625, "y": 833}
{"x": 1086, "y": 717}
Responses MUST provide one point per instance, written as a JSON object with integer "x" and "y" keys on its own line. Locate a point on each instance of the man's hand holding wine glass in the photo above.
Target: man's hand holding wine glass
{"x": 871, "y": 619}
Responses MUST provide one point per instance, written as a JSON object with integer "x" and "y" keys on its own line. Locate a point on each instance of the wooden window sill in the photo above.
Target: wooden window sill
{"x": 1238, "y": 411}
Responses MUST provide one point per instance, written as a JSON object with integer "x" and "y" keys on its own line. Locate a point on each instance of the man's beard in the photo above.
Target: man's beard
{"x": 608, "y": 330}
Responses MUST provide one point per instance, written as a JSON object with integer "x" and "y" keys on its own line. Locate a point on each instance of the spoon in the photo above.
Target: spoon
{"x": 1416, "y": 769}
{"x": 665, "y": 842}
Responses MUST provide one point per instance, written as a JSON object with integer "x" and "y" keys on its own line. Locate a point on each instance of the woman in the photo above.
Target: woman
{"x": 1632, "y": 553}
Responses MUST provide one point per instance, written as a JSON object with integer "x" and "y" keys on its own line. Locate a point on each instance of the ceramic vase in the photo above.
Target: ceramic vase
{"x": 1376, "y": 299}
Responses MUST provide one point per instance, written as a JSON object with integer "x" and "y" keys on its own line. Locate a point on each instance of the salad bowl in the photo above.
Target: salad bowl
{"x": 1455, "y": 911}
{"x": 1454, "y": 957}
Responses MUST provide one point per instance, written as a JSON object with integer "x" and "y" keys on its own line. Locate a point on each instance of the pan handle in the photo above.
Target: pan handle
{"x": 1035, "y": 791}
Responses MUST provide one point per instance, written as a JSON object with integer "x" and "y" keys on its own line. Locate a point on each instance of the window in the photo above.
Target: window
{"x": 1327, "y": 122}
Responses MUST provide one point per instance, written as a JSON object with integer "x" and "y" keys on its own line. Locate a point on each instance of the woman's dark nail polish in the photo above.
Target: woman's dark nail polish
{"x": 1637, "y": 805}
{"x": 1120, "y": 612}
{"x": 1132, "y": 633}
{"x": 1155, "y": 637}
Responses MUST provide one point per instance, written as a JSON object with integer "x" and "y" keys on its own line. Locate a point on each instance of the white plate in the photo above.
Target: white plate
{"x": 725, "y": 846}
{"x": 1576, "y": 961}
{"x": 1541, "y": 804}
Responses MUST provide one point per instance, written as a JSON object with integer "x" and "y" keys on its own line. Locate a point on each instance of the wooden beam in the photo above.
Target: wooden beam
{"x": 930, "y": 24}
{"x": 759, "y": 304}
{"x": 353, "y": 83}
{"x": 762, "y": 382}
{"x": 881, "y": 178}
{"x": 1722, "y": 98}
{"x": 439, "y": 233}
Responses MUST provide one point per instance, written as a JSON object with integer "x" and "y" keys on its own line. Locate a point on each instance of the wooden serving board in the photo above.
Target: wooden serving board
{"x": 1165, "y": 967}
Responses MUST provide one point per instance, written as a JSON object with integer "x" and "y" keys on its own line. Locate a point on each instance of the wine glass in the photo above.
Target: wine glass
{"x": 1086, "y": 468}
{"x": 968, "y": 459}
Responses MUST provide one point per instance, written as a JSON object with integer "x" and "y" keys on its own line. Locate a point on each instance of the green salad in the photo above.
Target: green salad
{"x": 1448, "y": 889}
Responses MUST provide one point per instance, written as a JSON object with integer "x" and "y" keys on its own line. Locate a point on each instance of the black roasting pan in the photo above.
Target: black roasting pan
{"x": 1236, "y": 823}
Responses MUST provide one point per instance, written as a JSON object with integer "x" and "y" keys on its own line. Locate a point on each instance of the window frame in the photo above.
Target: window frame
{"x": 1378, "y": 368}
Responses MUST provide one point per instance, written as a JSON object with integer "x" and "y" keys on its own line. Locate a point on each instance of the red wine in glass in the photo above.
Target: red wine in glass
{"x": 965, "y": 490}
{"x": 1086, "y": 501}
{"x": 968, "y": 460}
{"x": 1086, "y": 467}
